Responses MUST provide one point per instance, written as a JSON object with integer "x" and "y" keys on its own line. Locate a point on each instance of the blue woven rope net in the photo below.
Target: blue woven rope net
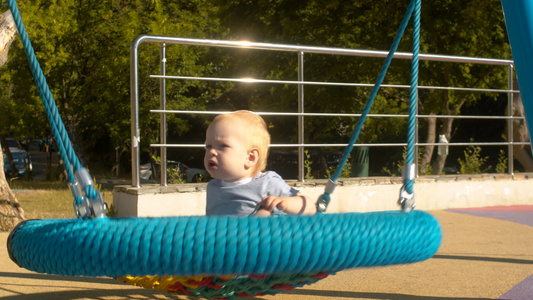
{"x": 188, "y": 246}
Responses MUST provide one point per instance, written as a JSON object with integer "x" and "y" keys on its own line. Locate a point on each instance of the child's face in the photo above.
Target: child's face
{"x": 227, "y": 153}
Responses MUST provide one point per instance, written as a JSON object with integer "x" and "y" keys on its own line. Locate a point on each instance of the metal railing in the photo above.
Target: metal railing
{"x": 300, "y": 51}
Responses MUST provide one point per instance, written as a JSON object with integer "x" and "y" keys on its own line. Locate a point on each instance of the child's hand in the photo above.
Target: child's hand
{"x": 262, "y": 213}
{"x": 297, "y": 205}
{"x": 270, "y": 202}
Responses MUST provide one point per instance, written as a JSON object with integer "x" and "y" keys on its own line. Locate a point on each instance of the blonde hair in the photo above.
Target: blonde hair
{"x": 256, "y": 131}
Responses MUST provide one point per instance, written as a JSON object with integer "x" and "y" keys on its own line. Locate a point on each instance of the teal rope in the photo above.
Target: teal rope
{"x": 324, "y": 199}
{"x": 70, "y": 160}
{"x": 413, "y": 95}
{"x": 58, "y": 128}
{"x": 374, "y": 92}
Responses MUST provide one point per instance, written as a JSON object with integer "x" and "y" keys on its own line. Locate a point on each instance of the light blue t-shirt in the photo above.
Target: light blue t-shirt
{"x": 241, "y": 198}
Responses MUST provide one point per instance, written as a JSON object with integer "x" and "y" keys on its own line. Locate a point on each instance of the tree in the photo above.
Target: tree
{"x": 83, "y": 48}
{"x": 461, "y": 28}
{"x": 10, "y": 210}
{"x": 522, "y": 153}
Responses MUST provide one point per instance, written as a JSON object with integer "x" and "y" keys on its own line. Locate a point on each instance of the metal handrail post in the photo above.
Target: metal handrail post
{"x": 135, "y": 131}
{"x": 301, "y": 175}
{"x": 510, "y": 122}
{"x": 163, "y": 117}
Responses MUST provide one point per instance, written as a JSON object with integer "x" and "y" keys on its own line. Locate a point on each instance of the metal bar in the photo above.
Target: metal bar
{"x": 300, "y": 50}
{"x": 301, "y": 136}
{"x": 510, "y": 122}
{"x": 344, "y": 145}
{"x": 320, "y": 50}
{"x": 163, "y": 117}
{"x": 333, "y": 114}
{"x": 134, "y": 103}
{"x": 253, "y": 80}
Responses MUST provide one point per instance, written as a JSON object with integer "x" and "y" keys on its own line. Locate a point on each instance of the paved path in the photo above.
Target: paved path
{"x": 485, "y": 254}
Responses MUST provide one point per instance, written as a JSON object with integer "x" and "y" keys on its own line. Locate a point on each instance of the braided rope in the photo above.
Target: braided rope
{"x": 188, "y": 246}
{"x": 413, "y": 96}
{"x": 373, "y": 93}
{"x": 68, "y": 155}
{"x": 58, "y": 128}
{"x": 225, "y": 287}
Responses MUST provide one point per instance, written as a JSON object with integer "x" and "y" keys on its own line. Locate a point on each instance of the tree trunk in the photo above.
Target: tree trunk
{"x": 446, "y": 130}
{"x": 11, "y": 212}
{"x": 522, "y": 153}
{"x": 425, "y": 159}
{"x": 8, "y": 31}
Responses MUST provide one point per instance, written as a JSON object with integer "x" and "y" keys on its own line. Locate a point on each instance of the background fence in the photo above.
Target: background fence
{"x": 360, "y": 158}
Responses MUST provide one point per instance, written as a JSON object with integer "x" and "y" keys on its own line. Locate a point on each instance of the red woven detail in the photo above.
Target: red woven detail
{"x": 225, "y": 279}
{"x": 243, "y": 295}
{"x": 207, "y": 281}
{"x": 286, "y": 287}
{"x": 178, "y": 288}
{"x": 320, "y": 275}
{"x": 258, "y": 277}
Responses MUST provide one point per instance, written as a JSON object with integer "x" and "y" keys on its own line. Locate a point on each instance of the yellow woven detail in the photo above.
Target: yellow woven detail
{"x": 164, "y": 283}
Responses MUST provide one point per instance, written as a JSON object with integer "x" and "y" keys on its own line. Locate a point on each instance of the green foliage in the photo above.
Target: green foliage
{"x": 473, "y": 162}
{"x": 401, "y": 163}
{"x": 111, "y": 211}
{"x": 307, "y": 165}
{"x": 346, "y": 169}
{"x": 173, "y": 174}
{"x": 83, "y": 48}
{"x": 501, "y": 167}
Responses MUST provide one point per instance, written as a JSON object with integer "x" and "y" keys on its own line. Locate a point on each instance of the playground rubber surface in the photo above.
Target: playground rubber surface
{"x": 486, "y": 253}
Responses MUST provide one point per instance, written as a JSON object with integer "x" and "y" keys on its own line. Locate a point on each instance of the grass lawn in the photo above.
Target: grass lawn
{"x": 48, "y": 200}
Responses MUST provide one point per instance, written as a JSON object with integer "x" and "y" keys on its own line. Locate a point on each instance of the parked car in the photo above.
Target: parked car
{"x": 22, "y": 162}
{"x": 190, "y": 174}
{"x": 14, "y": 145}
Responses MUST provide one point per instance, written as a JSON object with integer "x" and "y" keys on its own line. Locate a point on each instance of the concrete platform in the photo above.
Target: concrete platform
{"x": 487, "y": 253}
{"x": 351, "y": 194}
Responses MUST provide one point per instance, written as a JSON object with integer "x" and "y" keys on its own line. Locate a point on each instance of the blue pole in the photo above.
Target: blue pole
{"x": 519, "y": 21}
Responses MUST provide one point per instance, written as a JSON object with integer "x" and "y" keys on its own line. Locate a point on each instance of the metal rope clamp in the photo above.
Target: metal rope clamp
{"x": 322, "y": 203}
{"x": 407, "y": 200}
{"x": 82, "y": 207}
{"x": 89, "y": 207}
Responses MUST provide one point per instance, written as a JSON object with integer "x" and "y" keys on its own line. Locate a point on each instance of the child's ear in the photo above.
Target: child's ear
{"x": 252, "y": 159}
